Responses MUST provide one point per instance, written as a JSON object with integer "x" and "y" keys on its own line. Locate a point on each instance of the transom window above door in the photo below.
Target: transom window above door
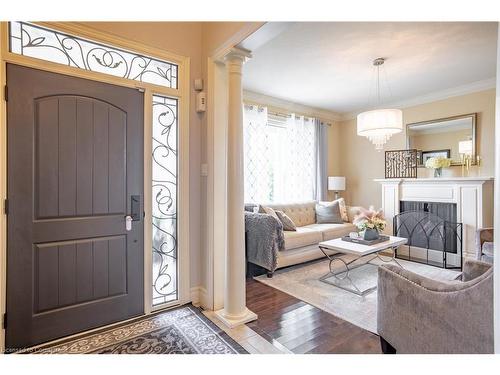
{"x": 50, "y": 45}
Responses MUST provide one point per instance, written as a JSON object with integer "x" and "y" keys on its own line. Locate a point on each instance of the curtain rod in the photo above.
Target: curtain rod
{"x": 261, "y": 107}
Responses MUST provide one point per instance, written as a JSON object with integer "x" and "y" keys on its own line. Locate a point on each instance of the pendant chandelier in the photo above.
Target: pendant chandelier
{"x": 380, "y": 124}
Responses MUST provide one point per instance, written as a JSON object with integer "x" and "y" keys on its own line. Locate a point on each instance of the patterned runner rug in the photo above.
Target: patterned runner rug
{"x": 184, "y": 330}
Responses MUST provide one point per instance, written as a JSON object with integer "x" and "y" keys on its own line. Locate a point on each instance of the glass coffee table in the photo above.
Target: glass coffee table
{"x": 352, "y": 277}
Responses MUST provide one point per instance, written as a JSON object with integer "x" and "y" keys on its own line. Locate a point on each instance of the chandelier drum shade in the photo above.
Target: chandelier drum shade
{"x": 379, "y": 125}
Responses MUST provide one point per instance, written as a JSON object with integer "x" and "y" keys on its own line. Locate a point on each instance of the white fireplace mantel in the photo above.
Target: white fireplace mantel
{"x": 438, "y": 180}
{"x": 472, "y": 195}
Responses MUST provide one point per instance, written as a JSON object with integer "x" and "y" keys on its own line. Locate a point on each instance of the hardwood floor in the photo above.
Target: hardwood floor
{"x": 303, "y": 328}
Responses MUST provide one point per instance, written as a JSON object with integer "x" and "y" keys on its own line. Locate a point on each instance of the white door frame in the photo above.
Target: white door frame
{"x": 182, "y": 94}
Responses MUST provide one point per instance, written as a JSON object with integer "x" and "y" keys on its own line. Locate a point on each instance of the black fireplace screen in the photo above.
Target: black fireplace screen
{"x": 429, "y": 226}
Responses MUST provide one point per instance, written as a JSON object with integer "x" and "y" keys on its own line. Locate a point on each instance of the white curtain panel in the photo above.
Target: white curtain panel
{"x": 280, "y": 157}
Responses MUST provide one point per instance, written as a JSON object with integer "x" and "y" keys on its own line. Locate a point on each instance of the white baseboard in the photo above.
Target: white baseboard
{"x": 198, "y": 296}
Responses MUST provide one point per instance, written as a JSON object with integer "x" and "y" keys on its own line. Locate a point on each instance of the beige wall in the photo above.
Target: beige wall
{"x": 361, "y": 163}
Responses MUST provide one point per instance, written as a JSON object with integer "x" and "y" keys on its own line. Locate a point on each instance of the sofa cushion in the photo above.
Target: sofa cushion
{"x": 300, "y": 213}
{"x": 303, "y": 236}
{"x": 331, "y": 231}
{"x": 328, "y": 213}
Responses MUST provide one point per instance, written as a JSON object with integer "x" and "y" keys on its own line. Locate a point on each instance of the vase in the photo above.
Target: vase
{"x": 438, "y": 172}
{"x": 371, "y": 234}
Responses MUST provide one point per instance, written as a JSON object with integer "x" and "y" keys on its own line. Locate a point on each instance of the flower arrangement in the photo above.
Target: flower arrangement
{"x": 370, "y": 219}
{"x": 437, "y": 162}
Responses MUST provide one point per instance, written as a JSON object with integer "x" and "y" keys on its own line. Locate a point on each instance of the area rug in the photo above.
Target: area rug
{"x": 184, "y": 330}
{"x": 302, "y": 282}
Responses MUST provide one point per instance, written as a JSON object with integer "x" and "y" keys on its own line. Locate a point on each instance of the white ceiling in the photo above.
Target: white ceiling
{"x": 329, "y": 64}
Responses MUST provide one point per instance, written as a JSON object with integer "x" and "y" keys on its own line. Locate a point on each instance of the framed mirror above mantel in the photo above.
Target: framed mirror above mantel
{"x": 451, "y": 137}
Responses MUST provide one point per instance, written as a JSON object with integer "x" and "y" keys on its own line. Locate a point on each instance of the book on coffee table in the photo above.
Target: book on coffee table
{"x": 361, "y": 241}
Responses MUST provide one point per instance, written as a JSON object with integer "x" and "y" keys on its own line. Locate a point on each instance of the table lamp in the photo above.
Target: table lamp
{"x": 336, "y": 184}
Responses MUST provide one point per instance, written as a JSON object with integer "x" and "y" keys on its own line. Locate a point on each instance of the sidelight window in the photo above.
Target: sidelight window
{"x": 164, "y": 194}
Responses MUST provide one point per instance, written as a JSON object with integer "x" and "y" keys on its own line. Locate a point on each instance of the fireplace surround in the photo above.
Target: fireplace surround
{"x": 472, "y": 197}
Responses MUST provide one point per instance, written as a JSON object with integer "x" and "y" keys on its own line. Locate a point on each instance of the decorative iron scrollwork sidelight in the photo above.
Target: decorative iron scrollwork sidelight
{"x": 46, "y": 44}
{"x": 164, "y": 194}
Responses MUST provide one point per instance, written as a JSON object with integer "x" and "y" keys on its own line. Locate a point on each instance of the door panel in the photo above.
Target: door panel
{"x": 75, "y": 157}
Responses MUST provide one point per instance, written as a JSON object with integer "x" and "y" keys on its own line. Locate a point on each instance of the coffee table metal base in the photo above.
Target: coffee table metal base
{"x": 341, "y": 277}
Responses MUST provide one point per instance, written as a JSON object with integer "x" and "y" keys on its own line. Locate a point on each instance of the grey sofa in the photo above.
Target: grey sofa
{"x": 419, "y": 315}
{"x": 484, "y": 245}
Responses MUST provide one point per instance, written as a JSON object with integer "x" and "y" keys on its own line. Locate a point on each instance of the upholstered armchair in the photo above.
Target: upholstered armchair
{"x": 420, "y": 315}
{"x": 484, "y": 245}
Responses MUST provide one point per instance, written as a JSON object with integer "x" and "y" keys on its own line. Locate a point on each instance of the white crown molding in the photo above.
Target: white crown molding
{"x": 434, "y": 96}
{"x": 247, "y": 30}
{"x": 281, "y": 104}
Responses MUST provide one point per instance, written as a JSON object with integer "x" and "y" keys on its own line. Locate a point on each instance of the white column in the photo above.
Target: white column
{"x": 235, "y": 311}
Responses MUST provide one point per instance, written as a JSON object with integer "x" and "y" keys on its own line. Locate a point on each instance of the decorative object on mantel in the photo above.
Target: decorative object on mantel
{"x": 380, "y": 124}
{"x": 435, "y": 154}
{"x": 437, "y": 163}
{"x": 478, "y": 164}
{"x": 336, "y": 184}
{"x": 465, "y": 151}
{"x": 370, "y": 222}
{"x": 401, "y": 164}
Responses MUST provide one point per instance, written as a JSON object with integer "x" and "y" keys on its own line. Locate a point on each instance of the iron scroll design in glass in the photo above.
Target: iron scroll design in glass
{"x": 46, "y": 44}
{"x": 164, "y": 194}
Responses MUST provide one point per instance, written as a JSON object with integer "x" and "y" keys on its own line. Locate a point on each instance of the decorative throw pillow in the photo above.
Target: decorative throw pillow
{"x": 343, "y": 209}
{"x": 269, "y": 211}
{"x": 328, "y": 213}
{"x": 288, "y": 223}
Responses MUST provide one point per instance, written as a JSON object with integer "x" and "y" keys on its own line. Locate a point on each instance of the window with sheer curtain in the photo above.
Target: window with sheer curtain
{"x": 280, "y": 156}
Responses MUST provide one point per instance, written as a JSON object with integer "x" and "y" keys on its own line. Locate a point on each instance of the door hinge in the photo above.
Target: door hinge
{"x": 4, "y": 323}
{"x": 6, "y": 93}
{"x": 6, "y": 206}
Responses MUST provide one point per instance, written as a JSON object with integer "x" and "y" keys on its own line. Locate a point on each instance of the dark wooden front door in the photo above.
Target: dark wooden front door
{"x": 75, "y": 162}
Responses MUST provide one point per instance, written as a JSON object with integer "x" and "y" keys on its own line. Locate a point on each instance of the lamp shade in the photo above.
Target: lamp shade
{"x": 379, "y": 125}
{"x": 336, "y": 183}
{"x": 465, "y": 147}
